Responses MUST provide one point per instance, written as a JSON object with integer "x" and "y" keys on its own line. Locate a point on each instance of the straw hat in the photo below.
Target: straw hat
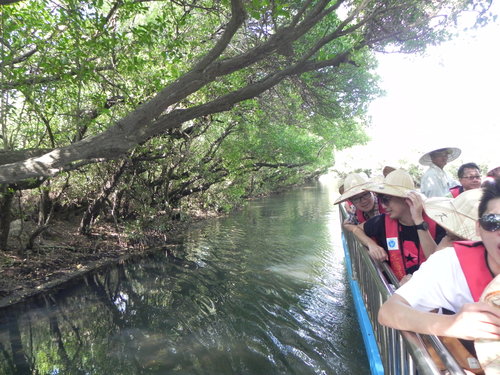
{"x": 353, "y": 185}
{"x": 453, "y": 153}
{"x": 398, "y": 183}
{"x": 457, "y": 215}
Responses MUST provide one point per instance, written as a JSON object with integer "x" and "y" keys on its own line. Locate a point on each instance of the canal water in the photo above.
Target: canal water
{"x": 262, "y": 291}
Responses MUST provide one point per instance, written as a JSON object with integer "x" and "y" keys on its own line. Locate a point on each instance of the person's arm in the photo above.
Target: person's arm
{"x": 445, "y": 242}
{"x": 473, "y": 321}
{"x": 416, "y": 204}
{"x": 425, "y": 186}
{"x": 375, "y": 251}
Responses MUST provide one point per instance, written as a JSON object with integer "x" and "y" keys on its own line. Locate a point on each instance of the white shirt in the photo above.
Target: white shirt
{"x": 439, "y": 282}
{"x": 436, "y": 182}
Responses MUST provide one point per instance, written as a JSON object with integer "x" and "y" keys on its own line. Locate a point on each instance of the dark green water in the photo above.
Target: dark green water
{"x": 263, "y": 291}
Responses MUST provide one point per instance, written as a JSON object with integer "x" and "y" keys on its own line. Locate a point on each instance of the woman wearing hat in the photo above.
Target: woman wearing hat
{"x": 405, "y": 232}
{"x": 435, "y": 181}
{"x": 365, "y": 206}
{"x": 365, "y": 203}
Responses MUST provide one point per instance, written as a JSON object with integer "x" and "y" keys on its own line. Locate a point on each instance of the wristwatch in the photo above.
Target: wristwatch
{"x": 422, "y": 226}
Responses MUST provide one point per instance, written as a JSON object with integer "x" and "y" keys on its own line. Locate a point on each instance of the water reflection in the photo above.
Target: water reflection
{"x": 260, "y": 292}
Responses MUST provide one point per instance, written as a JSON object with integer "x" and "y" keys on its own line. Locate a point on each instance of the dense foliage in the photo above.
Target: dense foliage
{"x": 132, "y": 109}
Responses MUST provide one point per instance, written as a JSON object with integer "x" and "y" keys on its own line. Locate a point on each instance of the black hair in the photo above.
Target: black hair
{"x": 462, "y": 168}
{"x": 491, "y": 190}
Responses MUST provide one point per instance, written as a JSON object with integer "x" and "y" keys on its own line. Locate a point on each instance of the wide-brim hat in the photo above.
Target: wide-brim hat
{"x": 453, "y": 153}
{"x": 398, "y": 183}
{"x": 457, "y": 215}
{"x": 353, "y": 185}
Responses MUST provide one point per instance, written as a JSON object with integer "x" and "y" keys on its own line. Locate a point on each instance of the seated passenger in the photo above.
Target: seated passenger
{"x": 469, "y": 176}
{"x": 366, "y": 206}
{"x": 405, "y": 232}
{"x": 365, "y": 203}
{"x": 454, "y": 279}
{"x": 457, "y": 216}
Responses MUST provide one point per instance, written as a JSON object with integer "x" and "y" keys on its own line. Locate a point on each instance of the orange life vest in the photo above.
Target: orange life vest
{"x": 407, "y": 250}
{"x": 472, "y": 258}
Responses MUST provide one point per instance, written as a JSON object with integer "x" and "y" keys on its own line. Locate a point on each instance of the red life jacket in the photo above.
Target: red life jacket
{"x": 472, "y": 258}
{"x": 349, "y": 206}
{"x": 408, "y": 248}
{"x": 361, "y": 217}
{"x": 456, "y": 191}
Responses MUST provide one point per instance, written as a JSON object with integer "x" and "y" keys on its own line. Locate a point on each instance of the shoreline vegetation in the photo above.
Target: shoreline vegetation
{"x": 64, "y": 256}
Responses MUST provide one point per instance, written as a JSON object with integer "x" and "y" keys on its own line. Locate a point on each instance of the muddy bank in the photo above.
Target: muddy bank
{"x": 67, "y": 256}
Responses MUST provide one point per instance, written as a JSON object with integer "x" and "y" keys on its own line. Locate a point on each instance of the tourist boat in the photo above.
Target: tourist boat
{"x": 389, "y": 351}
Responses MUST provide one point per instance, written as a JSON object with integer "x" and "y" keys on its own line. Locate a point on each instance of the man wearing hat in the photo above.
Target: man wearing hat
{"x": 435, "y": 181}
{"x": 405, "y": 232}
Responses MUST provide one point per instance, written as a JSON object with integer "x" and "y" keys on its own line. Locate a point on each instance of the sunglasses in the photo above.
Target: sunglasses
{"x": 490, "y": 222}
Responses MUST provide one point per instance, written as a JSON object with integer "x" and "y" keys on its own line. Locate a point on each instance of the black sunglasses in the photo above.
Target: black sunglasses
{"x": 490, "y": 222}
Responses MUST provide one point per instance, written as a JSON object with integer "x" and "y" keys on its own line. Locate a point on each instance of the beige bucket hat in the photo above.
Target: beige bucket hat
{"x": 453, "y": 153}
{"x": 457, "y": 215}
{"x": 398, "y": 183}
{"x": 353, "y": 185}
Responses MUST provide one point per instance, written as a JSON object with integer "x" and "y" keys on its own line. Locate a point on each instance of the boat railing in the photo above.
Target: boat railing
{"x": 400, "y": 352}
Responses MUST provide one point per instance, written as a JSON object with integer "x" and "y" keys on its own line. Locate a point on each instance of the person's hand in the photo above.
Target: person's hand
{"x": 476, "y": 321}
{"x": 416, "y": 204}
{"x": 377, "y": 252}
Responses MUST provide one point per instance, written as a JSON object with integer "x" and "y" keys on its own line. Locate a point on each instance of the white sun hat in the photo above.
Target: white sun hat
{"x": 398, "y": 183}
{"x": 457, "y": 215}
{"x": 453, "y": 153}
{"x": 353, "y": 185}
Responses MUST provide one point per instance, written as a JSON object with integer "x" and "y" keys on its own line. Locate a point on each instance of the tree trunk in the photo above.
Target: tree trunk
{"x": 45, "y": 206}
{"x": 95, "y": 208}
{"x": 6, "y": 198}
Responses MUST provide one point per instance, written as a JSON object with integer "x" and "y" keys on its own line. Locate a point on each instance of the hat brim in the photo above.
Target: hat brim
{"x": 442, "y": 211}
{"x": 388, "y": 189}
{"x": 355, "y": 190}
{"x": 453, "y": 153}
